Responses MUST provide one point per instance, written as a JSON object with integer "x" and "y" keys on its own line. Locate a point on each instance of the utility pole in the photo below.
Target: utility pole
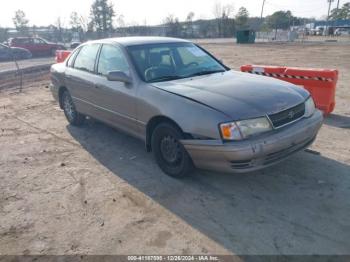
{"x": 262, "y": 9}
{"x": 329, "y": 7}
{"x": 337, "y": 11}
{"x": 329, "y": 11}
{"x": 261, "y": 16}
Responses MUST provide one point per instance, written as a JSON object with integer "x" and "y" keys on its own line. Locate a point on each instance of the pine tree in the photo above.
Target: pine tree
{"x": 20, "y": 21}
{"x": 242, "y": 17}
{"x": 102, "y": 14}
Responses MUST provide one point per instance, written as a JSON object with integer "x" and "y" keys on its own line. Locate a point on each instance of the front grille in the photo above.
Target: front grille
{"x": 240, "y": 164}
{"x": 287, "y": 116}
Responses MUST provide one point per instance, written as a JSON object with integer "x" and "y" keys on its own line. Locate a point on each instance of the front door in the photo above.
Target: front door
{"x": 41, "y": 47}
{"x": 116, "y": 100}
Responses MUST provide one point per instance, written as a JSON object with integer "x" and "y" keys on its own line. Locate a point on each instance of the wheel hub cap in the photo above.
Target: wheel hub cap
{"x": 68, "y": 107}
{"x": 170, "y": 149}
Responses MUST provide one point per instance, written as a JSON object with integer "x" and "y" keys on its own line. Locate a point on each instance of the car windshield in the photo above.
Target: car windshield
{"x": 170, "y": 61}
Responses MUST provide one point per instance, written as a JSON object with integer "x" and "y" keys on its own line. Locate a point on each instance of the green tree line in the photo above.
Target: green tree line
{"x": 103, "y": 19}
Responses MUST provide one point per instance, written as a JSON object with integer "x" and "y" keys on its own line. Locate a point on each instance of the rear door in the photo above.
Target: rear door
{"x": 116, "y": 100}
{"x": 80, "y": 79}
{"x": 26, "y": 43}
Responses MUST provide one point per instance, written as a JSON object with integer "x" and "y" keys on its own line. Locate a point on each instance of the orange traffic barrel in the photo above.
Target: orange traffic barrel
{"x": 321, "y": 83}
{"x": 61, "y": 55}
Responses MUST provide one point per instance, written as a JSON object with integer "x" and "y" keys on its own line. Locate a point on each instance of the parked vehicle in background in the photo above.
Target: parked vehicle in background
{"x": 61, "y": 55}
{"x": 342, "y": 32}
{"x": 10, "y": 53}
{"x": 74, "y": 45}
{"x": 188, "y": 108}
{"x": 36, "y": 45}
{"x": 319, "y": 30}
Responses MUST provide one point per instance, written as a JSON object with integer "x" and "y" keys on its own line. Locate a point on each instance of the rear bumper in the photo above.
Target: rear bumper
{"x": 255, "y": 153}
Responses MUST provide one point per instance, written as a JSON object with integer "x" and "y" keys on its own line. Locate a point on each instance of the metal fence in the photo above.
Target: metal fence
{"x": 294, "y": 36}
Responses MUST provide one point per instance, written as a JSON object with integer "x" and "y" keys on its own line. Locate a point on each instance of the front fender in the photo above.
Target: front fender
{"x": 192, "y": 117}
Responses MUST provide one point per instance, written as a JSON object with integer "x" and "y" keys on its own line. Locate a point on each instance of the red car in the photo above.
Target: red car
{"x": 36, "y": 45}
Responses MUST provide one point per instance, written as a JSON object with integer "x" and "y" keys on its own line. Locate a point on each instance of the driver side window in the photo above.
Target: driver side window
{"x": 112, "y": 59}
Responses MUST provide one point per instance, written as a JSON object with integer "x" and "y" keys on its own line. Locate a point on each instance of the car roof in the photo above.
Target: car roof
{"x": 140, "y": 40}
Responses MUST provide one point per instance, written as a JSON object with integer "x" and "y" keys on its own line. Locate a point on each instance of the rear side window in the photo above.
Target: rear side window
{"x": 72, "y": 57}
{"x": 112, "y": 59}
{"x": 86, "y": 58}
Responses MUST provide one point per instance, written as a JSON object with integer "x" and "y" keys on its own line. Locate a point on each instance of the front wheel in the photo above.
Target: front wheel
{"x": 72, "y": 115}
{"x": 169, "y": 153}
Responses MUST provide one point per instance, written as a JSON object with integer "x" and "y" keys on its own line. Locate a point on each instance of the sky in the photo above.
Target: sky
{"x": 152, "y": 12}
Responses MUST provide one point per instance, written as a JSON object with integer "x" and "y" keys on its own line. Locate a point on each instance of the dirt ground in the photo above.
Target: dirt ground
{"x": 94, "y": 190}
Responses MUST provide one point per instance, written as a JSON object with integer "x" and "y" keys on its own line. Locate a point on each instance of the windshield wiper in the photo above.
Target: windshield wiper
{"x": 165, "y": 78}
{"x": 206, "y": 72}
{"x": 174, "y": 77}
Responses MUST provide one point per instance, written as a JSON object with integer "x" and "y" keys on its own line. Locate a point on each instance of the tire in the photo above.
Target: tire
{"x": 169, "y": 153}
{"x": 72, "y": 115}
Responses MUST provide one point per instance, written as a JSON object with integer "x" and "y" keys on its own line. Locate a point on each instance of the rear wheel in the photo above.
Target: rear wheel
{"x": 169, "y": 153}
{"x": 72, "y": 115}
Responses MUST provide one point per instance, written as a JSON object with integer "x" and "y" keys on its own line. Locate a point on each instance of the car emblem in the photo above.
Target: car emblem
{"x": 291, "y": 114}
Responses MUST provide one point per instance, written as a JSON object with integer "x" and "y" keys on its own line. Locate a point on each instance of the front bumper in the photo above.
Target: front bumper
{"x": 254, "y": 153}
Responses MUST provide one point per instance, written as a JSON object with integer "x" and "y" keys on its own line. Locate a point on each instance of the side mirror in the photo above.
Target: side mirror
{"x": 119, "y": 76}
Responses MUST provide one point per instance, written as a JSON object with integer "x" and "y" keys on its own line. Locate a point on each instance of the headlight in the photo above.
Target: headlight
{"x": 242, "y": 129}
{"x": 309, "y": 107}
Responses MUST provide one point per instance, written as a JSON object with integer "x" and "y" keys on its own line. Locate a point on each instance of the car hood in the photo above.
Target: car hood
{"x": 238, "y": 95}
